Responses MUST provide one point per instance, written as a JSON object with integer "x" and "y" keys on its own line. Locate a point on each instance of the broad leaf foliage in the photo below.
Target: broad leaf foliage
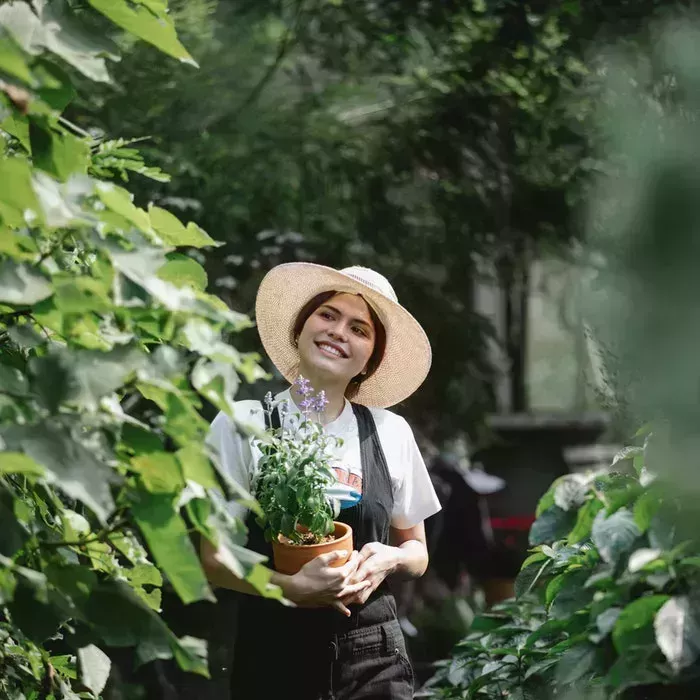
{"x": 109, "y": 344}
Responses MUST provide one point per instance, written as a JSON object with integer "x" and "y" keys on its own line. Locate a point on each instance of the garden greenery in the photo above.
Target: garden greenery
{"x": 607, "y": 602}
{"x": 109, "y": 348}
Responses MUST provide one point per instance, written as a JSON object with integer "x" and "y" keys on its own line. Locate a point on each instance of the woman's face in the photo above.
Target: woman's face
{"x": 338, "y": 338}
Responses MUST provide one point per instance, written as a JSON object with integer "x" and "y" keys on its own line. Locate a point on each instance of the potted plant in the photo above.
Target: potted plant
{"x": 292, "y": 483}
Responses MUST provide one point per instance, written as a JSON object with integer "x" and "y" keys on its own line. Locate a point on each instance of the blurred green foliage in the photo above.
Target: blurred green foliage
{"x": 420, "y": 138}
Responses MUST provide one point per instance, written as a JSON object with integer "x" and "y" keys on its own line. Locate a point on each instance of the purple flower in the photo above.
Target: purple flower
{"x": 304, "y": 387}
{"x": 307, "y": 405}
{"x": 320, "y": 402}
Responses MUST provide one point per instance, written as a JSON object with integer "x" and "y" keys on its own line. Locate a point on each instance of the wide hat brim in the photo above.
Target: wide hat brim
{"x": 288, "y": 287}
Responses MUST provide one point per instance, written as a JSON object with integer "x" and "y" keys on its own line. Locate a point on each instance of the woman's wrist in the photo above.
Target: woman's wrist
{"x": 289, "y": 585}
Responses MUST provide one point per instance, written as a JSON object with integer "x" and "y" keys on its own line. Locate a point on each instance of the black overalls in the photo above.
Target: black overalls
{"x": 282, "y": 652}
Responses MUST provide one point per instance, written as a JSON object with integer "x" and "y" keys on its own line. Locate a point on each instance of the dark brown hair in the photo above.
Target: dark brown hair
{"x": 379, "y": 337}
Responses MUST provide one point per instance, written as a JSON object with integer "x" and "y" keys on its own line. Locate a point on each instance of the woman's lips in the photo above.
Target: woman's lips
{"x": 331, "y": 349}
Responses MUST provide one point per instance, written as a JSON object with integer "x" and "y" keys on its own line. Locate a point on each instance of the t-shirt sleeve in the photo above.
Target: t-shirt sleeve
{"x": 232, "y": 452}
{"x": 415, "y": 499}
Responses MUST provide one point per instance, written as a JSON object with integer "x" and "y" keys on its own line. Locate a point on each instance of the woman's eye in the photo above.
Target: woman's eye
{"x": 326, "y": 315}
{"x": 360, "y": 331}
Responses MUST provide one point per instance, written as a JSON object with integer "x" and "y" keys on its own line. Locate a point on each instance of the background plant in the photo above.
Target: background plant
{"x": 607, "y": 600}
{"x": 110, "y": 348}
{"x": 294, "y": 472}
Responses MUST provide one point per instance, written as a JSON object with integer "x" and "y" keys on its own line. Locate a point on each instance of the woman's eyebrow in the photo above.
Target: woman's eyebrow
{"x": 361, "y": 321}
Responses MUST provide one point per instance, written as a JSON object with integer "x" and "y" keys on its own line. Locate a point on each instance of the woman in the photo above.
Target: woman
{"x": 346, "y": 332}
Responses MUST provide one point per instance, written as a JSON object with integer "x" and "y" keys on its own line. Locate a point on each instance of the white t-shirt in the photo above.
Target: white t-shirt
{"x": 414, "y": 496}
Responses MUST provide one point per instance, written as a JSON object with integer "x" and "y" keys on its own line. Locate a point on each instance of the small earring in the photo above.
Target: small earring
{"x": 295, "y": 342}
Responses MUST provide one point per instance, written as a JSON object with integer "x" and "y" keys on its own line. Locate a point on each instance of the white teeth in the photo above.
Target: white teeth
{"x": 330, "y": 348}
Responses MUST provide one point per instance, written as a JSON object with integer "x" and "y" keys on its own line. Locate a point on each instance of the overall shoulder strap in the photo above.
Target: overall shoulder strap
{"x": 374, "y": 465}
{"x": 272, "y": 421}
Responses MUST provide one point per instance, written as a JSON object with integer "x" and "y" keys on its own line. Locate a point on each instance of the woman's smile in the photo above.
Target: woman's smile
{"x": 331, "y": 349}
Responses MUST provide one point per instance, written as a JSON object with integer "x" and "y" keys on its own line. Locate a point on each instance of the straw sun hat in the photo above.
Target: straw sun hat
{"x": 287, "y": 288}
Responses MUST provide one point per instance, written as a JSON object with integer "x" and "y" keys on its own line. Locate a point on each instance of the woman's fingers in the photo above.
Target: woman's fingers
{"x": 352, "y": 589}
{"x": 341, "y": 608}
{"x": 330, "y": 558}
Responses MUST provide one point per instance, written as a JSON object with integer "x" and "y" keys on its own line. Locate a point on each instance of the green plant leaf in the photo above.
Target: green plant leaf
{"x": 172, "y": 231}
{"x": 196, "y": 466}
{"x": 146, "y": 21}
{"x": 18, "y": 126}
{"x": 584, "y": 521}
{"x": 167, "y": 538}
{"x": 576, "y": 663}
{"x": 160, "y": 472}
{"x": 12, "y": 60}
{"x": 60, "y": 154}
{"x": 217, "y": 382}
{"x": 72, "y": 467}
{"x": 677, "y": 631}
{"x": 634, "y": 626}
{"x": 13, "y": 381}
{"x": 182, "y": 271}
{"x": 645, "y": 509}
{"x": 570, "y": 491}
{"x": 17, "y": 463}
{"x": 21, "y": 285}
{"x": 627, "y": 453}
{"x": 81, "y": 295}
{"x": 17, "y": 195}
{"x": 569, "y": 595}
{"x": 527, "y": 578}
{"x": 553, "y": 524}
{"x": 95, "y": 666}
{"x": 614, "y": 536}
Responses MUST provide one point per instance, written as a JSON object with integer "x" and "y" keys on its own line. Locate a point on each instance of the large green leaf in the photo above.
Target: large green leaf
{"x": 167, "y": 538}
{"x": 677, "y": 630}
{"x": 584, "y": 521}
{"x": 18, "y": 463}
{"x": 147, "y": 21}
{"x": 16, "y": 194}
{"x": 12, "y": 534}
{"x": 122, "y": 619}
{"x": 58, "y": 153}
{"x": 13, "y": 381}
{"x": 17, "y": 125}
{"x": 634, "y": 626}
{"x": 645, "y": 509}
{"x": 84, "y": 377}
{"x": 56, "y": 30}
{"x": 570, "y": 491}
{"x": 553, "y": 524}
{"x": 182, "y": 271}
{"x": 569, "y": 595}
{"x": 72, "y": 467}
{"x": 217, "y": 382}
{"x": 172, "y": 231}
{"x": 12, "y": 60}
{"x": 81, "y": 294}
{"x": 21, "y": 285}
{"x": 160, "y": 472}
{"x": 95, "y": 666}
{"x": 616, "y": 535}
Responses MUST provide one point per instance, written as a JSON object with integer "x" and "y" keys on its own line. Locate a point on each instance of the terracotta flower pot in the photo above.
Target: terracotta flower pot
{"x": 289, "y": 558}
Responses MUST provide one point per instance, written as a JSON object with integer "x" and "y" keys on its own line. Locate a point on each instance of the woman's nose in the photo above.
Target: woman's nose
{"x": 338, "y": 331}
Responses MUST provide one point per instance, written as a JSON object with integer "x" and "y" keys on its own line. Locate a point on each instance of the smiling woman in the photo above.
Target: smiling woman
{"x": 346, "y": 333}
{"x": 343, "y": 326}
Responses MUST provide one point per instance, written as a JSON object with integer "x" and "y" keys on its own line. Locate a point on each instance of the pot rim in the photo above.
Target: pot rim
{"x": 345, "y": 535}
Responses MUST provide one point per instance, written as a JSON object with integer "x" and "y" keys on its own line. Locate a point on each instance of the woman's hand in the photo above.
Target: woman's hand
{"x": 318, "y": 584}
{"x": 376, "y": 562}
